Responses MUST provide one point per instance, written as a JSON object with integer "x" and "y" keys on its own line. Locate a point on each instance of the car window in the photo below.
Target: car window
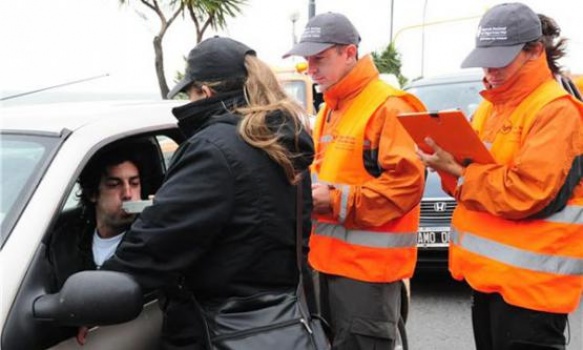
{"x": 463, "y": 95}
{"x": 72, "y": 200}
{"x": 297, "y": 90}
{"x": 21, "y": 157}
{"x": 168, "y": 147}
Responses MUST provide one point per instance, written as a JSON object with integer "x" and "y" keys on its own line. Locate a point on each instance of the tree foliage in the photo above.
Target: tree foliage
{"x": 389, "y": 61}
{"x": 203, "y": 14}
{"x": 211, "y": 13}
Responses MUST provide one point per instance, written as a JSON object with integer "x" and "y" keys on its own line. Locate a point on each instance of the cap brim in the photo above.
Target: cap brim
{"x": 307, "y": 48}
{"x": 492, "y": 57}
{"x": 179, "y": 88}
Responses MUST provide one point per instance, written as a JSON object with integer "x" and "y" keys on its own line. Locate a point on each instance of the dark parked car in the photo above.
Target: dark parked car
{"x": 455, "y": 90}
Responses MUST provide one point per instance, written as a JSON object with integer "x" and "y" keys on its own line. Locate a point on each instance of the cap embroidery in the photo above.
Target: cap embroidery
{"x": 312, "y": 32}
{"x": 493, "y": 33}
{"x": 479, "y": 32}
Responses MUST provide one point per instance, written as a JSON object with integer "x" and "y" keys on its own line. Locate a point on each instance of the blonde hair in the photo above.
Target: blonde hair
{"x": 265, "y": 95}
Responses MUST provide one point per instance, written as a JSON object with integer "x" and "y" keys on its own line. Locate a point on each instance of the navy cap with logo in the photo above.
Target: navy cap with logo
{"x": 502, "y": 33}
{"x": 324, "y": 31}
{"x": 214, "y": 59}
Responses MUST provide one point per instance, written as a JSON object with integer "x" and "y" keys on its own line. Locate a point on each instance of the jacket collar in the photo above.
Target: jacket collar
{"x": 195, "y": 115}
{"x": 350, "y": 85}
{"x": 524, "y": 82}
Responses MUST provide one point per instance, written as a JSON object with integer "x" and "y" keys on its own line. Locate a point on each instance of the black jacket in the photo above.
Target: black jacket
{"x": 223, "y": 222}
{"x": 69, "y": 249}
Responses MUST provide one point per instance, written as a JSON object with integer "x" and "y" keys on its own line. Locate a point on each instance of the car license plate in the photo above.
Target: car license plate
{"x": 433, "y": 237}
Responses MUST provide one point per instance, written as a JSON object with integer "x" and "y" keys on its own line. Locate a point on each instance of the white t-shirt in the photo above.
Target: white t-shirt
{"x": 103, "y": 248}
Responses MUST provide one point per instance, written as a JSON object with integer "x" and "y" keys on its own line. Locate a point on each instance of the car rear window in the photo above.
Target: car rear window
{"x": 463, "y": 95}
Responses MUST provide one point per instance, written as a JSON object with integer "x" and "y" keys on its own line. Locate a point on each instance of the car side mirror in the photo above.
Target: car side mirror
{"x": 92, "y": 298}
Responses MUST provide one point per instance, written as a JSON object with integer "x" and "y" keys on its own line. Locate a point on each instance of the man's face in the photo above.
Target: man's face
{"x": 329, "y": 66}
{"x": 120, "y": 183}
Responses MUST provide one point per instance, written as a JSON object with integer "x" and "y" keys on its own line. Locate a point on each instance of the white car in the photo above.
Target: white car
{"x": 43, "y": 150}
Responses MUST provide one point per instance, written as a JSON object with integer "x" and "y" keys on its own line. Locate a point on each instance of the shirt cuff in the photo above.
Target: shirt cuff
{"x": 460, "y": 183}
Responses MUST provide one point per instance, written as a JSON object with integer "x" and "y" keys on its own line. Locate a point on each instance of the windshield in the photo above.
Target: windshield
{"x": 463, "y": 95}
{"x": 21, "y": 160}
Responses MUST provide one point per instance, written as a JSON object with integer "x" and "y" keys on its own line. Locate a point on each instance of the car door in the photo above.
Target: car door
{"x": 23, "y": 329}
{"x": 142, "y": 333}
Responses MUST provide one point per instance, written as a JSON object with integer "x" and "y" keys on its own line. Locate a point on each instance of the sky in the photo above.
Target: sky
{"x": 46, "y": 43}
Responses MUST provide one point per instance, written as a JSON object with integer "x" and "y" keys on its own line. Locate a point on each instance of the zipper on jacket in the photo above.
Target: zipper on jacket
{"x": 329, "y": 116}
{"x": 305, "y": 323}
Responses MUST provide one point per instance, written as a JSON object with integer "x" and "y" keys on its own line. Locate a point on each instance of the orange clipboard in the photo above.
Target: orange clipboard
{"x": 451, "y": 130}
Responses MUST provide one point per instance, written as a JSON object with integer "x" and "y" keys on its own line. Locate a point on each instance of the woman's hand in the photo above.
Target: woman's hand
{"x": 440, "y": 159}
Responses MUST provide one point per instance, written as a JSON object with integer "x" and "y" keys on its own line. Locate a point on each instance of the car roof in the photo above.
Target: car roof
{"x": 463, "y": 75}
{"x": 54, "y": 117}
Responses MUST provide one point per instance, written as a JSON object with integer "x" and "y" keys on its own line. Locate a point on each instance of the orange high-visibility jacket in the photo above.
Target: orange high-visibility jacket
{"x": 533, "y": 263}
{"x": 340, "y": 244}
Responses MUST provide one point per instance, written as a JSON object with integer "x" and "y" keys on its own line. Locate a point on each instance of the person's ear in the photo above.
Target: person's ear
{"x": 536, "y": 51}
{"x": 351, "y": 52}
{"x": 208, "y": 92}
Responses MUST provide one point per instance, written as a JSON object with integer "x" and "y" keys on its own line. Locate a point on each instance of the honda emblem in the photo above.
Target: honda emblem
{"x": 440, "y": 206}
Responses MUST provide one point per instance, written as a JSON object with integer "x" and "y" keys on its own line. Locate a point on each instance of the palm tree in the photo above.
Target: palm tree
{"x": 211, "y": 13}
{"x": 203, "y": 13}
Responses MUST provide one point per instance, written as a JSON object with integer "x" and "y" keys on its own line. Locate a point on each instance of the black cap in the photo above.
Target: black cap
{"x": 214, "y": 59}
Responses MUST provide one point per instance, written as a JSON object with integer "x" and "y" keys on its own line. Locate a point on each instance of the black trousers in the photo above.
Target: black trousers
{"x": 501, "y": 326}
{"x": 182, "y": 327}
{"x": 363, "y": 315}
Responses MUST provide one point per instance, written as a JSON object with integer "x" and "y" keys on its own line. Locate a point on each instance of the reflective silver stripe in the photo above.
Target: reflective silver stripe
{"x": 366, "y": 238}
{"x": 316, "y": 180}
{"x": 454, "y": 236}
{"x": 344, "y": 192}
{"x": 326, "y": 138}
{"x": 571, "y": 214}
{"x": 366, "y": 143}
{"x": 488, "y": 145}
{"x": 509, "y": 255}
{"x": 314, "y": 177}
